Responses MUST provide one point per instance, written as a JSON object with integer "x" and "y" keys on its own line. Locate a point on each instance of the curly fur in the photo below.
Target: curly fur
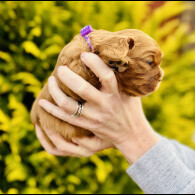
{"x": 133, "y": 55}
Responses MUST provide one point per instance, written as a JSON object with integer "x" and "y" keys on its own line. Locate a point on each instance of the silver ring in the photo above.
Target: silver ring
{"x": 79, "y": 110}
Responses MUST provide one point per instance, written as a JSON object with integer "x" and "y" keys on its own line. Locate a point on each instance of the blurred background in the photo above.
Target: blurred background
{"x": 31, "y": 36}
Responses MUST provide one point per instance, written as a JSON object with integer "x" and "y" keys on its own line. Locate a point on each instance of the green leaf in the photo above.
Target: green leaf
{"x": 26, "y": 78}
{"x": 5, "y": 84}
{"x": 31, "y": 48}
{"x": 4, "y": 121}
{"x": 36, "y": 31}
{"x": 5, "y": 56}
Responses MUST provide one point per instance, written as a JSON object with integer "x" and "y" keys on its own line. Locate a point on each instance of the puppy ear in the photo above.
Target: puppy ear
{"x": 114, "y": 41}
{"x": 110, "y": 44}
{"x": 131, "y": 43}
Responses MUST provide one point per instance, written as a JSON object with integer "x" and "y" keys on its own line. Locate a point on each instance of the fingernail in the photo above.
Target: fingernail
{"x": 83, "y": 55}
{"x": 42, "y": 102}
{"x": 62, "y": 68}
{"x": 51, "y": 78}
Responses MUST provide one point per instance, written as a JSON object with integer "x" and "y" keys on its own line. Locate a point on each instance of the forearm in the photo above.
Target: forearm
{"x": 159, "y": 165}
{"x": 139, "y": 142}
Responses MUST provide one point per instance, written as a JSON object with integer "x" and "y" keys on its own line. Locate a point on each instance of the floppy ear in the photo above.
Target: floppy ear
{"x": 112, "y": 45}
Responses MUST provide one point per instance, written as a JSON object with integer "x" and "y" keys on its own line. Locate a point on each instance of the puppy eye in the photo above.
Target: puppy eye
{"x": 125, "y": 64}
{"x": 149, "y": 62}
{"x": 111, "y": 62}
{"x": 119, "y": 62}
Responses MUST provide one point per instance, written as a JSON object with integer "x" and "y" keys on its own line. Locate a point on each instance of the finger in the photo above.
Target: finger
{"x": 94, "y": 144}
{"x": 78, "y": 85}
{"x": 43, "y": 137}
{"x": 48, "y": 146}
{"x": 61, "y": 114}
{"x": 102, "y": 71}
{"x": 56, "y": 151}
{"x": 65, "y": 102}
{"x": 60, "y": 143}
{"x": 67, "y": 147}
{"x": 59, "y": 97}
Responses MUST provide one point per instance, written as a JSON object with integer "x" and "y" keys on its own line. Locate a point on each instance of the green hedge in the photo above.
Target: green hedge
{"x": 31, "y": 37}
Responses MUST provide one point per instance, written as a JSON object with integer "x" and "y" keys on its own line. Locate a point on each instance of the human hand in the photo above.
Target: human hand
{"x": 55, "y": 144}
{"x": 111, "y": 115}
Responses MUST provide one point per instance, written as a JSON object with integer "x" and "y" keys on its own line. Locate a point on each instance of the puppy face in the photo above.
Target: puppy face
{"x": 134, "y": 57}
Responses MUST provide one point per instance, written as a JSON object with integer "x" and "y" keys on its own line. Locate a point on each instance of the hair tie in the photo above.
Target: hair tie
{"x": 85, "y": 33}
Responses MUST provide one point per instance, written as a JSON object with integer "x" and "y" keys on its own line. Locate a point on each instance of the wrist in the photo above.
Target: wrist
{"x": 135, "y": 146}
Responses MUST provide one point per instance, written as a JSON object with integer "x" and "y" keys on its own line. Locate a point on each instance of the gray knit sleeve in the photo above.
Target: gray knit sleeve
{"x": 186, "y": 154}
{"x": 164, "y": 169}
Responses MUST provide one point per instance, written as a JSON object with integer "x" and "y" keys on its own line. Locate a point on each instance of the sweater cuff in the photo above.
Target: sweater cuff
{"x": 160, "y": 170}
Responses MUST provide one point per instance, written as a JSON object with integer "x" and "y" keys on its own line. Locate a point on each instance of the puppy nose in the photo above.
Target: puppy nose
{"x": 160, "y": 80}
{"x": 115, "y": 68}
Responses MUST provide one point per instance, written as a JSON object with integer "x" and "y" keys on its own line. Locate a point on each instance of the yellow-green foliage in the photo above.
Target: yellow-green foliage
{"x": 31, "y": 37}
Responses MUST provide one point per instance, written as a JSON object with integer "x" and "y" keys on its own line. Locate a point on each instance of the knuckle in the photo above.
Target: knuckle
{"x": 107, "y": 107}
{"x": 97, "y": 123}
{"x": 59, "y": 114}
{"x": 99, "y": 120}
{"x": 63, "y": 116}
{"x": 83, "y": 90}
{"x": 64, "y": 103}
{"x": 60, "y": 146}
{"x": 110, "y": 107}
{"x": 110, "y": 112}
{"x": 109, "y": 77}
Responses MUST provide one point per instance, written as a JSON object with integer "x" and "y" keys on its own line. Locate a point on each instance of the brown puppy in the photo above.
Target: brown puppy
{"x": 133, "y": 55}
